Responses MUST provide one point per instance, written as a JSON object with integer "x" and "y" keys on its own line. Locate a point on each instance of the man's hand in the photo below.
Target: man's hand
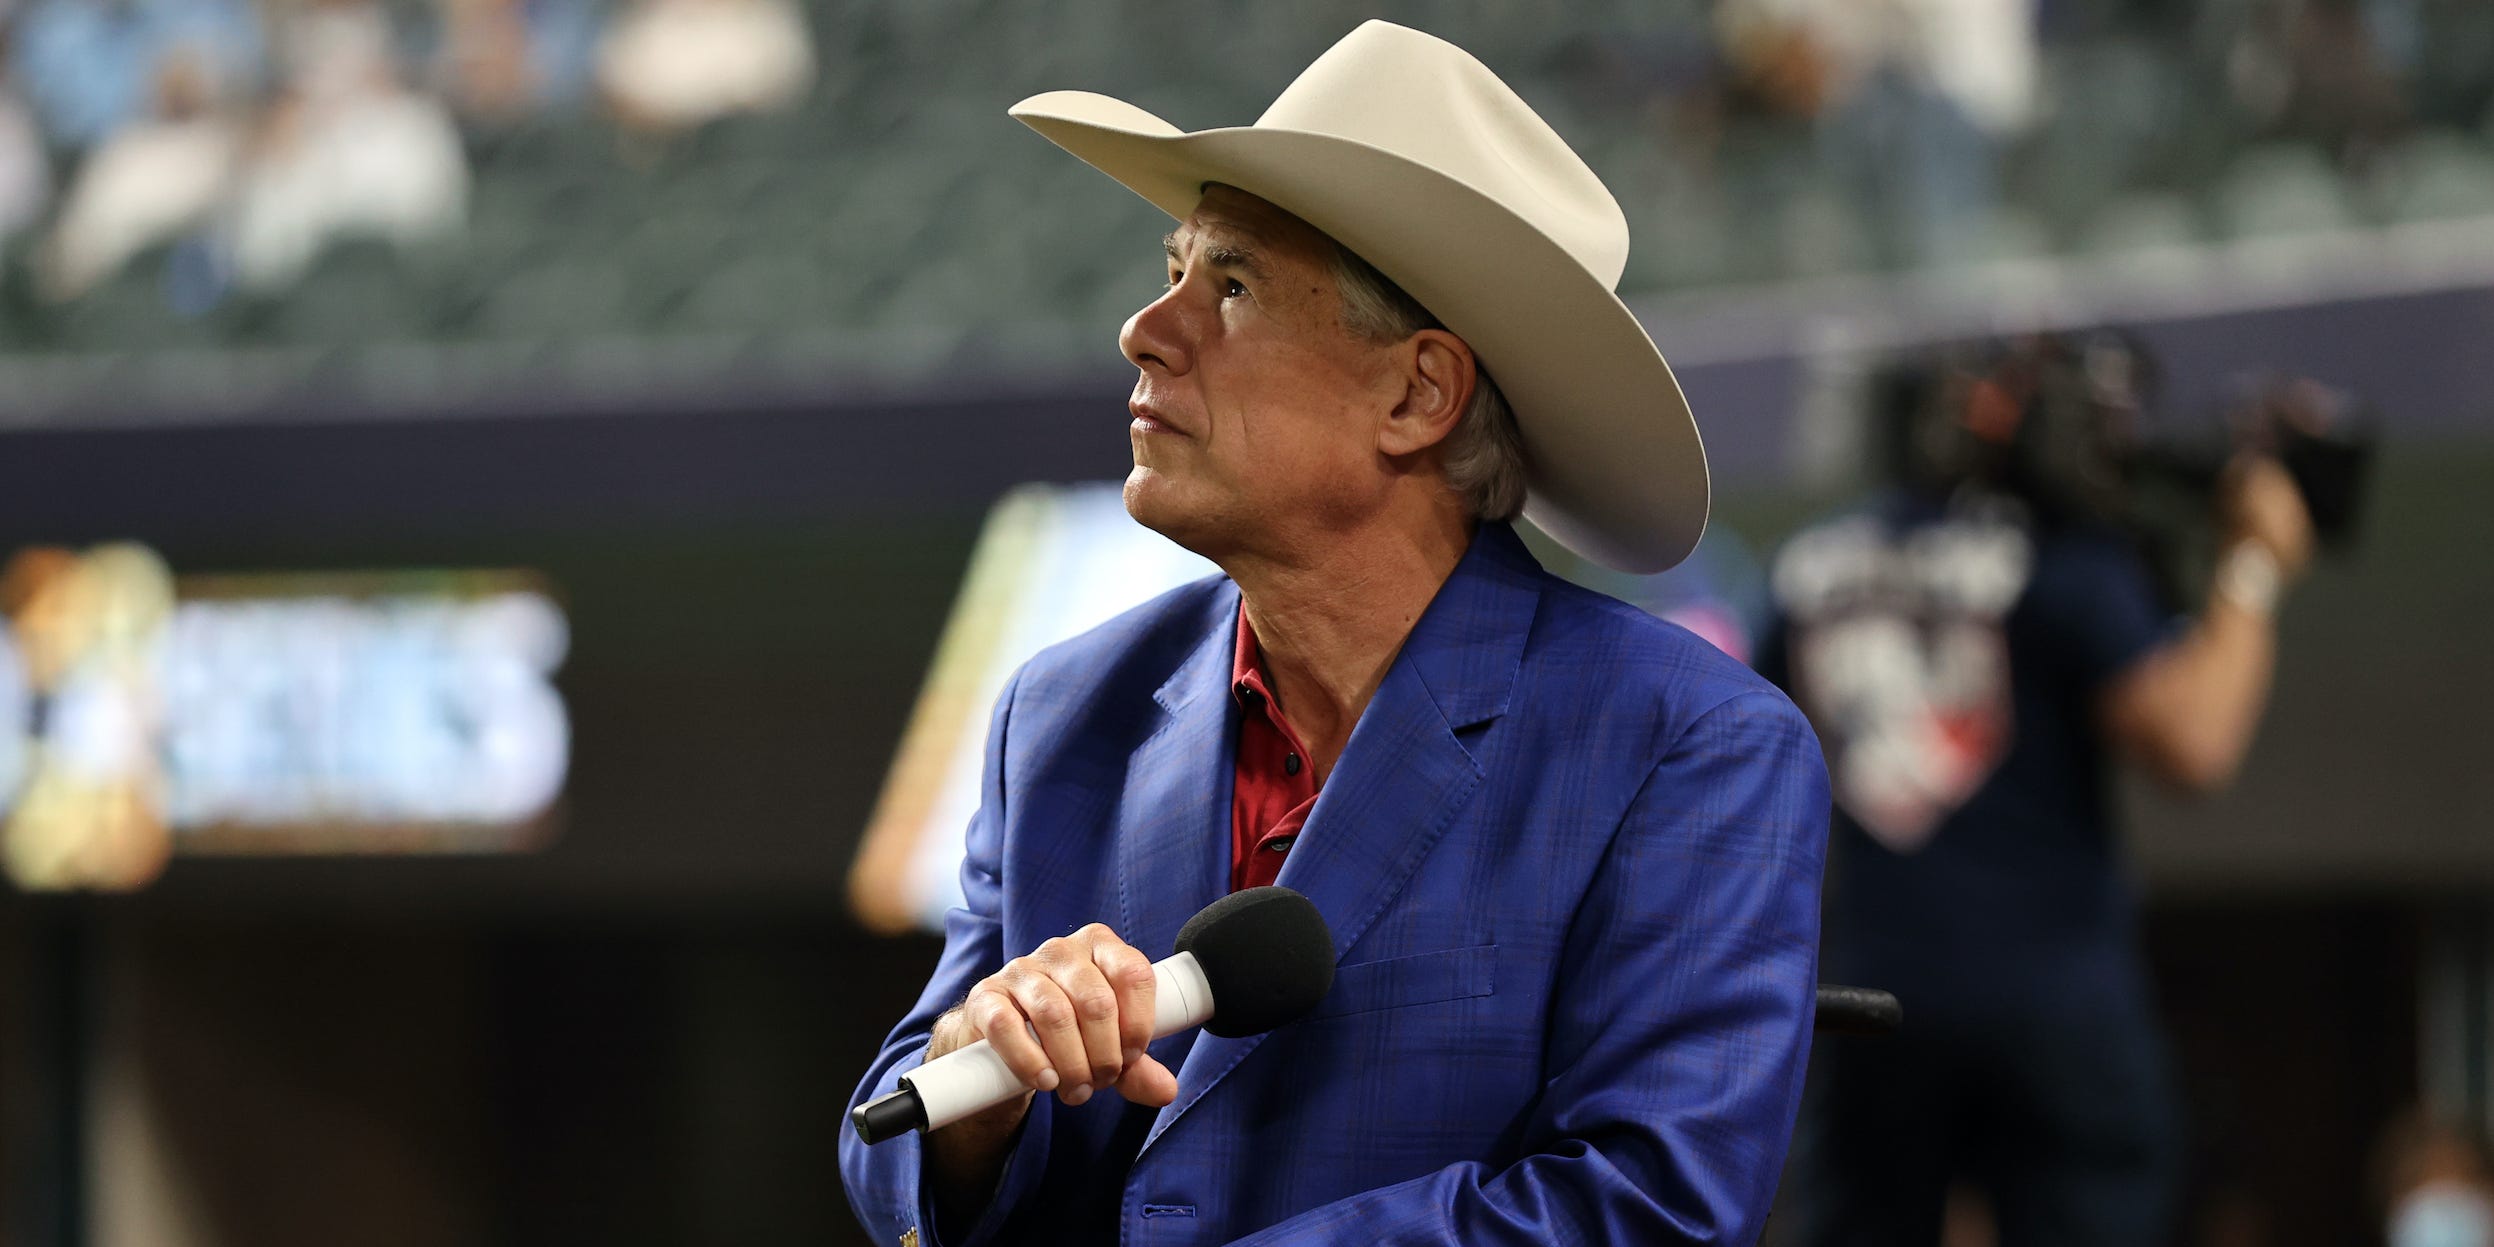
{"x": 2259, "y": 502}
{"x": 2188, "y": 711}
{"x": 1072, "y": 1017}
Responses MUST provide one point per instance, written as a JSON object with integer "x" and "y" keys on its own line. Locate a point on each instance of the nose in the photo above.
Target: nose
{"x": 1157, "y": 334}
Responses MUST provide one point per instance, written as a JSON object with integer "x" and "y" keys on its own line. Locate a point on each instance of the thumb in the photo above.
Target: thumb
{"x": 1148, "y": 1082}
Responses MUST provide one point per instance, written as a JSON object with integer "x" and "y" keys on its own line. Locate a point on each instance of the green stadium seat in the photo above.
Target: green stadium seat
{"x": 2280, "y": 189}
{"x": 134, "y": 311}
{"x": 2010, "y": 233}
{"x": 2117, "y": 104}
{"x": 1823, "y": 234}
{"x": 896, "y": 203}
{"x": 2442, "y": 175}
{"x": 563, "y": 298}
{"x": 2141, "y": 222}
{"x": 759, "y": 292}
{"x": 358, "y": 291}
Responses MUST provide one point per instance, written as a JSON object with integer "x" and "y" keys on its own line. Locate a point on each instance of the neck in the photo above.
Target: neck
{"x": 1331, "y": 618}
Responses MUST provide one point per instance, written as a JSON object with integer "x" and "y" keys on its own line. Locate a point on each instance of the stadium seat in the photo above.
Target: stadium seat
{"x": 358, "y": 291}
{"x": 2440, "y": 175}
{"x": 2280, "y": 188}
{"x": 139, "y": 308}
{"x": 895, "y": 191}
{"x": 2141, "y": 222}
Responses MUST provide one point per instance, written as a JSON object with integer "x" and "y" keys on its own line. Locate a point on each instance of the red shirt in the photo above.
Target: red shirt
{"x": 1276, "y": 787}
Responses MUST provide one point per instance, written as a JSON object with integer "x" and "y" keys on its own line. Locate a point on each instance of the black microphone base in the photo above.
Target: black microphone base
{"x": 889, "y": 1116}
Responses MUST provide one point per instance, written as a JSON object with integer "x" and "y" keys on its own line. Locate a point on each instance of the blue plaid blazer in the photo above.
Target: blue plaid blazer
{"x": 1571, "y": 860}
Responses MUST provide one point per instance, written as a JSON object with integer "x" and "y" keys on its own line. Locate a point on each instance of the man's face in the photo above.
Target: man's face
{"x": 1257, "y": 411}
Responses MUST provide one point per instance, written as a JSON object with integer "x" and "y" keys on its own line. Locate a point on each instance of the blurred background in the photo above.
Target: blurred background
{"x": 485, "y": 484}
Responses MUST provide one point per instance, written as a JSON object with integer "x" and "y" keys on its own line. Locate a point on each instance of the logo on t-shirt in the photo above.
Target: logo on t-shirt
{"x": 1898, "y": 655}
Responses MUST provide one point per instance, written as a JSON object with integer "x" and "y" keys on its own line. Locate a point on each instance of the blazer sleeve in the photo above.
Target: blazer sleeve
{"x": 885, "y": 1182}
{"x": 1680, "y": 1025}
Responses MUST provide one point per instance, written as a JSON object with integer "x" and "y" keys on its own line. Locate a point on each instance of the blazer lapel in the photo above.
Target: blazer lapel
{"x": 1173, "y": 838}
{"x": 1404, "y": 775}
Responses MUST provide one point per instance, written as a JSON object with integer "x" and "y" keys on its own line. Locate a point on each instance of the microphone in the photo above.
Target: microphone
{"x": 1247, "y": 963}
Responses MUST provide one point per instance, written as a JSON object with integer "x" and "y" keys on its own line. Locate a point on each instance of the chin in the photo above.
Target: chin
{"x": 1164, "y": 506}
{"x": 1148, "y": 500}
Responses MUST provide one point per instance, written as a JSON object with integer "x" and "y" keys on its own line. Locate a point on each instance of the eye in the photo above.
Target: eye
{"x": 1232, "y": 288}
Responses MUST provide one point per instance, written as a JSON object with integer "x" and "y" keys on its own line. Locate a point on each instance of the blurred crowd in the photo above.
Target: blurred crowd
{"x": 249, "y": 137}
{"x": 183, "y": 173}
{"x": 1888, "y": 133}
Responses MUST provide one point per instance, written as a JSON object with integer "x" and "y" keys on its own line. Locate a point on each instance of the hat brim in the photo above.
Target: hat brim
{"x": 1617, "y": 471}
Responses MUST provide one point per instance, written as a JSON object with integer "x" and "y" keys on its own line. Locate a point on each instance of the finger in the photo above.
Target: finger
{"x": 1051, "y": 1016}
{"x": 1148, "y": 1082}
{"x": 1129, "y": 973}
{"x": 1000, "y": 1021}
{"x": 1095, "y": 1017}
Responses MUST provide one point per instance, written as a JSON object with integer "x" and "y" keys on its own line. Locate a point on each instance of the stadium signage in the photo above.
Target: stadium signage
{"x": 143, "y": 714}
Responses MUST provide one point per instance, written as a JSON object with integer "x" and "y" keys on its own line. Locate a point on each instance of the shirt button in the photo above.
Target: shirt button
{"x": 1280, "y": 844}
{"x": 1290, "y": 764}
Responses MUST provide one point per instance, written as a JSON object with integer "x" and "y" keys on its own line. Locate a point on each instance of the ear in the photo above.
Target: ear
{"x": 1438, "y": 374}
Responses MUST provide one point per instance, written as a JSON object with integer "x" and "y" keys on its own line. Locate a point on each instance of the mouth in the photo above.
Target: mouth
{"x": 1149, "y": 419}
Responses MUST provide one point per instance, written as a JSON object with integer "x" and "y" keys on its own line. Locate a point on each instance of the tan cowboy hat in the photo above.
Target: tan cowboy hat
{"x": 1416, "y": 157}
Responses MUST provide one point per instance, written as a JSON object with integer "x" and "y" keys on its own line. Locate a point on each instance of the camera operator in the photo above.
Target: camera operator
{"x": 1978, "y": 646}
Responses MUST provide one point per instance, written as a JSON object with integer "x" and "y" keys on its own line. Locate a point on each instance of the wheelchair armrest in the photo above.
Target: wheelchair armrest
{"x": 1857, "y": 1010}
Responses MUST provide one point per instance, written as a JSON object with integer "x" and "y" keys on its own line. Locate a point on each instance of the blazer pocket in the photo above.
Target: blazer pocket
{"x": 1418, "y": 979}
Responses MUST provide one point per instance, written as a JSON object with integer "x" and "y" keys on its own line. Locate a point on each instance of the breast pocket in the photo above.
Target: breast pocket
{"x": 1417, "y": 979}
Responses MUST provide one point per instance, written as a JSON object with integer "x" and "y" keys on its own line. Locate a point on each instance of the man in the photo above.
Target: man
{"x": 1979, "y": 647}
{"x": 1569, "y": 854}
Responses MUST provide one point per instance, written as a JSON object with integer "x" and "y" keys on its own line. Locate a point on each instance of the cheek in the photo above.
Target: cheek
{"x": 1318, "y": 443}
{"x": 1292, "y": 464}
{"x": 1289, "y": 409}
{"x": 1285, "y": 420}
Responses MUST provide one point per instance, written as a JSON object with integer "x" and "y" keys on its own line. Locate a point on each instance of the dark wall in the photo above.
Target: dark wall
{"x": 2293, "y": 1029}
{"x": 332, "y": 1080}
{"x": 754, "y": 597}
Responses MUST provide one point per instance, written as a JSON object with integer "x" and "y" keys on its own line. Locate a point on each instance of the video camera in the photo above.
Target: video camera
{"x": 2064, "y": 422}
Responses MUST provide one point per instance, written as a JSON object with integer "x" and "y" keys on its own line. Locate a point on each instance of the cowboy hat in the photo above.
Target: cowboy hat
{"x": 1415, "y": 156}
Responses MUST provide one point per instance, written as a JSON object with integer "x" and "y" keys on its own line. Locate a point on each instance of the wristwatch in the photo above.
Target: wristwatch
{"x": 2248, "y": 576}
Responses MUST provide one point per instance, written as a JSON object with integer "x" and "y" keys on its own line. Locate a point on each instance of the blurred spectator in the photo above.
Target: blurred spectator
{"x": 506, "y": 60}
{"x": 2313, "y": 70}
{"x": 94, "y": 66}
{"x": 149, "y": 183}
{"x": 345, "y": 151}
{"x": 25, "y": 174}
{"x": 675, "y": 64}
{"x": 2437, "y": 1186}
{"x": 1915, "y": 99}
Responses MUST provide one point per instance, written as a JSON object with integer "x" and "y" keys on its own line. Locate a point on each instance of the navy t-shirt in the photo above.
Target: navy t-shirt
{"x": 1953, "y": 659}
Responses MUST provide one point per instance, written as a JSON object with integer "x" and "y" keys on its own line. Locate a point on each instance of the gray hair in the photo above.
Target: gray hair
{"x": 1484, "y": 452}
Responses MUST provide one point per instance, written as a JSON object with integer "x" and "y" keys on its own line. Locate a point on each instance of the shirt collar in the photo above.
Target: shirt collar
{"x": 1247, "y": 683}
{"x": 1467, "y": 646}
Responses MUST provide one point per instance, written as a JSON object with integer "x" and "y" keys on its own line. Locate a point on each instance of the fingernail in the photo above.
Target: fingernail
{"x": 1047, "y": 1080}
{"x": 1133, "y": 1055}
{"x": 1080, "y": 1093}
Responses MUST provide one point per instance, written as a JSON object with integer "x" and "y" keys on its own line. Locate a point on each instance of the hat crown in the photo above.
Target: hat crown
{"x": 1419, "y": 97}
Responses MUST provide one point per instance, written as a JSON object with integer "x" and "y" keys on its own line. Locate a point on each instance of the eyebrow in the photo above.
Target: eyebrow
{"x": 1222, "y": 255}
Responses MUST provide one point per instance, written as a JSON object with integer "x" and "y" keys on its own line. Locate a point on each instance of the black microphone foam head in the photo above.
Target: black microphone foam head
{"x": 1267, "y": 954}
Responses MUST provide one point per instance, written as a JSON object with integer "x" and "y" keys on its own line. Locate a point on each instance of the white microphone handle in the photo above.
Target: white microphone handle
{"x": 972, "y": 1077}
